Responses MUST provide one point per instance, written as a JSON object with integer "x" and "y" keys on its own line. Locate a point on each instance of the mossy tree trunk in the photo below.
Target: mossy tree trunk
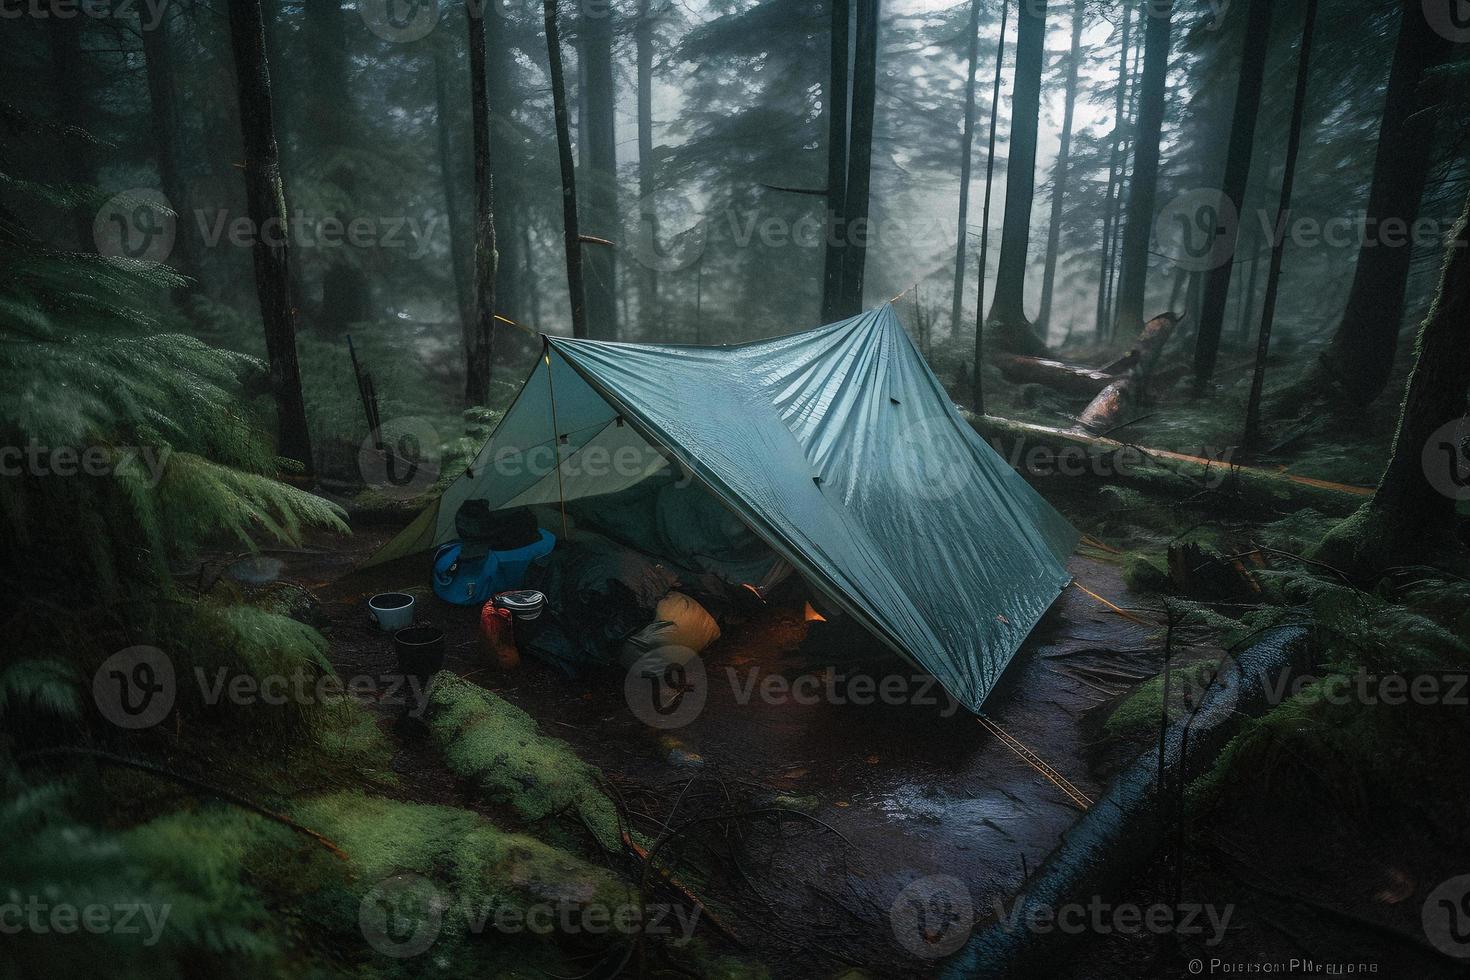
{"x": 977, "y": 389}
{"x": 855, "y": 230}
{"x": 599, "y": 142}
{"x": 648, "y": 217}
{"x": 1250, "y": 435}
{"x": 835, "y": 105}
{"x": 448, "y": 170}
{"x": 265, "y": 196}
{"x": 1358, "y": 362}
{"x": 1411, "y": 515}
{"x": 1062, "y": 170}
{"x": 1008, "y": 328}
{"x": 967, "y": 152}
{"x": 1115, "y": 177}
{"x": 1237, "y": 175}
{"x": 480, "y": 339}
{"x": 570, "y": 235}
{"x": 1143, "y": 186}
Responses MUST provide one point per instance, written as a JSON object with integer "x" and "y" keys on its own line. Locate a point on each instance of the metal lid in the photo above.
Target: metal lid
{"x": 527, "y": 603}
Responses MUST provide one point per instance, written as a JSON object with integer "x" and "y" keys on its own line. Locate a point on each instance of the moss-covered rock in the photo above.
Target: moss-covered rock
{"x": 498, "y": 748}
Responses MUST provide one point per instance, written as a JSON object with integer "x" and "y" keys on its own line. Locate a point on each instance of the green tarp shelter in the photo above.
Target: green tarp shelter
{"x": 838, "y": 447}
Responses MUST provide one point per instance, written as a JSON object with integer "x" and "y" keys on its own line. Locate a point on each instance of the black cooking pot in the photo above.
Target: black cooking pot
{"x": 420, "y": 651}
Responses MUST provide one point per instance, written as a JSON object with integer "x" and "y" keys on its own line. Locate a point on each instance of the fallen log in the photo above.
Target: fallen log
{"x": 1105, "y": 410}
{"x": 1069, "y": 379}
{"x": 1041, "y": 450}
{"x": 1103, "y": 854}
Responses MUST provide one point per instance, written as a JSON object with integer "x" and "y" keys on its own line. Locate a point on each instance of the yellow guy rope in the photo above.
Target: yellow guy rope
{"x": 1113, "y": 606}
{"x": 1079, "y": 798}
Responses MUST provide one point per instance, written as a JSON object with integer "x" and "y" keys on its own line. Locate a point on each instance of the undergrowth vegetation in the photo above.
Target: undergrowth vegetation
{"x": 243, "y": 836}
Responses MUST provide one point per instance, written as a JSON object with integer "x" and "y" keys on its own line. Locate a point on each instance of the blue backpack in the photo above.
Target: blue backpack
{"x": 470, "y": 577}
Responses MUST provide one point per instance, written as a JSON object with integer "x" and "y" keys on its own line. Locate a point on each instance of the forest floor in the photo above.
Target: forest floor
{"x": 898, "y": 793}
{"x": 892, "y": 792}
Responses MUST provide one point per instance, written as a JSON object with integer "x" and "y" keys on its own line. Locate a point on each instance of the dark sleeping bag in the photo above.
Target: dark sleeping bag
{"x": 597, "y": 592}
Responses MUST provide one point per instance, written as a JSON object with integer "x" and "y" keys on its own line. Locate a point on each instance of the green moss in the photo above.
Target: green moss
{"x": 499, "y": 750}
{"x": 1138, "y": 714}
{"x": 483, "y": 864}
{"x": 1144, "y": 574}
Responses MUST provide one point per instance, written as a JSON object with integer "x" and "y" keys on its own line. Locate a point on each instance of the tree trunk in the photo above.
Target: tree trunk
{"x": 1412, "y": 513}
{"x": 1251, "y": 431}
{"x": 601, "y": 176}
{"x": 1060, "y": 172}
{"x": 1115, "y": 164}
{"x": 1138, "y": 223}
{"x": 571, "y": 236}
{"x": 977, "y": 392}
{"x": 1103, "y": 412}
{"x": 967, "y": 151}
{"x": 648, "y": 215}
{"x": 1237, "y": 175}
{"x": 69, "y": 81}
{"x": 163, "y": 103}
{"x": 837, "y": 105}
{"x": 1357, "y": 364}
{"x": 479, "y": 343}
{"x": 460, "y": 266}
{"x": 1247, "y": 298}
{"x": 1120, "y": 205}
{"x": 1008, "y": 327}
{"x": 265, "y": 196}
{"x": 855, "y": 231}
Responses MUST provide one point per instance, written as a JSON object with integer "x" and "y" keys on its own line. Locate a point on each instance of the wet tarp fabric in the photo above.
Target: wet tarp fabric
{"x": 837, "y": 446}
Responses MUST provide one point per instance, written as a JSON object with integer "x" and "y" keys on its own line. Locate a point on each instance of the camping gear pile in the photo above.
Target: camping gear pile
{"x": 834, "y": 453}
{"x": 491, "y": 553}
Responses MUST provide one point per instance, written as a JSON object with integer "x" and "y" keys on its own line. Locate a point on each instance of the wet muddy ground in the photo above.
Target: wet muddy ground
{"x": 856, "y": 796}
